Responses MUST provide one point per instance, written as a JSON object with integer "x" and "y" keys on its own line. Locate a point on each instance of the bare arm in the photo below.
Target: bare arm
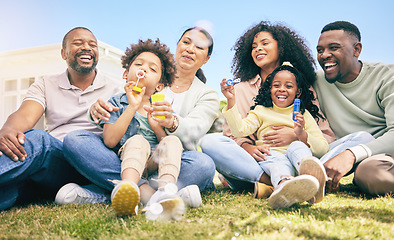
{"x": 11, "y": 134}
{"x": 113, "y": 133}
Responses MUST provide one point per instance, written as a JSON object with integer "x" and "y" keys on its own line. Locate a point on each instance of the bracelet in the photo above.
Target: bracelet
{"x": 174, "y": 126}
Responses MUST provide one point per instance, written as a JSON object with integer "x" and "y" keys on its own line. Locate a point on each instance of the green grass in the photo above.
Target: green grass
{"x": 347, "y": 214}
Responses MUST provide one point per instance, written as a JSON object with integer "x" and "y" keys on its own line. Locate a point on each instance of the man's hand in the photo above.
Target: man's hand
{"x": 257, "y": 152}
{"x": 101, "y": 109}
{"x": 11, "y": 142}
{"x": 337, "y": 167}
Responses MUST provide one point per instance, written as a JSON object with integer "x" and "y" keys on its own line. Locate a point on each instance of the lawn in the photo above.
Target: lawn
{"x": 347, "y": 214}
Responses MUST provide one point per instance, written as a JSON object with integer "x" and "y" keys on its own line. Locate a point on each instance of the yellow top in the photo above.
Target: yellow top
{"x": 262, "y": 118}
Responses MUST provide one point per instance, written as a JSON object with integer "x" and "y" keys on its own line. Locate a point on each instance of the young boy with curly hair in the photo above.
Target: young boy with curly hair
{"x": 135, "y": 134}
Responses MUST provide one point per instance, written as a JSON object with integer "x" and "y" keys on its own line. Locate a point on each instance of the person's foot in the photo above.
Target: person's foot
{"x": 165, "y": 204}
{"x": 295, "y": 190}
{"x": 191, "y": 196}
{"x": 125, "y": 198}
{"x": 72, "y": 193}
{"x": 312, "y": 166}
{"x": 262, "y": 190}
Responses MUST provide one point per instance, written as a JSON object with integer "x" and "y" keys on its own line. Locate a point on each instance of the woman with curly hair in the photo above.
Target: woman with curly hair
{"x": 260, "y": 50}
{"x": 273, "y": 107}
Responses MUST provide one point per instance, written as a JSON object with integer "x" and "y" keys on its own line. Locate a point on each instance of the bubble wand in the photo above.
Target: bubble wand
{"x": 230, "y": 81}
{"x": 140, "y": 74}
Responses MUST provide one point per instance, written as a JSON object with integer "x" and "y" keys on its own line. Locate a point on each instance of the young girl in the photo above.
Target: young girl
{"x": 137, "y": 133}
{"x": 274, "y": 107}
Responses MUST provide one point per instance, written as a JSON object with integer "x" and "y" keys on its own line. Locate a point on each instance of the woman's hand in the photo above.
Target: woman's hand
{"x": 281, "y": 136}
{"x": 161, "y": 108}
{"x": 257, "y": 152}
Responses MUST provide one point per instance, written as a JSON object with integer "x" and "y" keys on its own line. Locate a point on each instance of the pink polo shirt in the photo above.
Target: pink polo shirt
{"x": 66, "y": 106}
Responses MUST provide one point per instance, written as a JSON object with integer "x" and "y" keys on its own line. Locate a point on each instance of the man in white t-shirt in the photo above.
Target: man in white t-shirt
{"x": 32, "y": 159}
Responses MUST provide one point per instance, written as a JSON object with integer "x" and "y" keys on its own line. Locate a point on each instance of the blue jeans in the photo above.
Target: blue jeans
{"x": 241, "y": 170}
{"x": 44, "y": 167}
{"x": 346, "y": 142}
{"x": 278, "y": 164}
{"x": 238, "y": 167}
{"x": 88, "y": 154}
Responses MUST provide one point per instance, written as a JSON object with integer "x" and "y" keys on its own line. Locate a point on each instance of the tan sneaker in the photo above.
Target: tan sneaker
{"x": 298, "y": 189}
{"x": 312, "y": 166}
{"x": 262, "y": 190}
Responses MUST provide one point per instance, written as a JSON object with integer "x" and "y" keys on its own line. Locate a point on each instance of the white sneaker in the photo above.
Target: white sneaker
{"x": 72, "y": 193}
{"x": 312, "y": 166}
{"x": 125, "y": 197}
{"x": 191, "y": 196}
{"x": 298, "y": 189}
{"x": 165, "y": 204}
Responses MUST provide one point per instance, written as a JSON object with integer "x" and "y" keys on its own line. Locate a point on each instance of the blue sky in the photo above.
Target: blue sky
{"x": 28, "y": 23}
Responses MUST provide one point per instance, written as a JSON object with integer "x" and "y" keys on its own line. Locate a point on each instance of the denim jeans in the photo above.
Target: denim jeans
{"x": 241, "y": 170}
{"x": 238, "y": 167}
{"x": 88, "y": 154}
{"x": 44, "y": 167}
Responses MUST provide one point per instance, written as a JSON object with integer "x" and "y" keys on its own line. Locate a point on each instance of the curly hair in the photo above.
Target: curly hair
{"x": 307, "y": 97}
{"x": 157, "y": 48}
{"x": 292, "y": 48}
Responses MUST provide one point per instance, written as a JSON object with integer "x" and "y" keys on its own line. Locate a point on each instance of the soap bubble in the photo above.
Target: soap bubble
{"x": 200, "y": 39}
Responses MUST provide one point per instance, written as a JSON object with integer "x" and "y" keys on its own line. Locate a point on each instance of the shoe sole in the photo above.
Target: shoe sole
{"x": 126, "y": 200}
{"x": 312, "y": 166}
{"x": 298, "y": 189}
{"x": 172, "y": 209}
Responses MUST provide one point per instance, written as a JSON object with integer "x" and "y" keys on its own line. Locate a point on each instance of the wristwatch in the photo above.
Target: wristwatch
{"x": 175, "y": 125}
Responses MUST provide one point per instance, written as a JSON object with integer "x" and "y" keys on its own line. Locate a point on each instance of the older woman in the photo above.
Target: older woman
{"x": 193, "y": 110}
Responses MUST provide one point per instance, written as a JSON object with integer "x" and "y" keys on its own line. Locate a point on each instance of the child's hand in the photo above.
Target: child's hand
{"x": 153, "y": 123}
{"x": 134, "y": 98}
{"x": 228, "y": 91}
{"x": 299, "y": 124}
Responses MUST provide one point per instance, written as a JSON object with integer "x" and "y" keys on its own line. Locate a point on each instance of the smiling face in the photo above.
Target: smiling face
{"x": 337, "y": 54}
{"x": 284, "y": 89}
{"x": 81, "y": 51}
{"x": 265, "y": 51}
{"x": 151, "y": 65}
{"x": 190, "y": 53}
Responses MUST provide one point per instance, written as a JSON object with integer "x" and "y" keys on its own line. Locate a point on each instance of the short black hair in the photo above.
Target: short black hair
{"x": 348, "y": 27}
{"x": 68, "y": 33}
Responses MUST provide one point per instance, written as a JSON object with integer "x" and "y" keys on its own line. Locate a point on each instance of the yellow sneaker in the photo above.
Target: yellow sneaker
{"x": 125, "y": 198}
